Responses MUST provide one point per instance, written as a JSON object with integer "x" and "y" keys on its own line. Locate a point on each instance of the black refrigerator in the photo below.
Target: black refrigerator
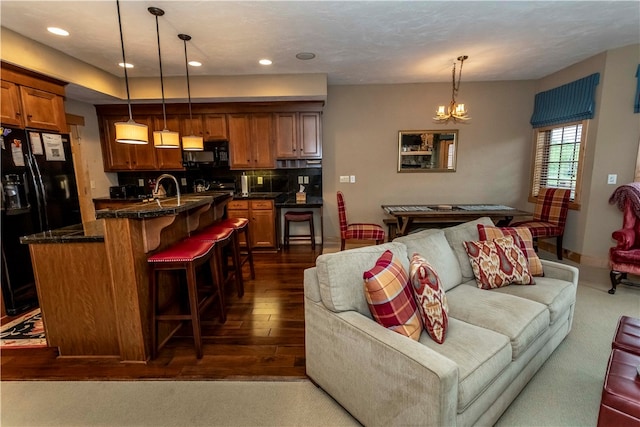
{"x": 39, "y": 193}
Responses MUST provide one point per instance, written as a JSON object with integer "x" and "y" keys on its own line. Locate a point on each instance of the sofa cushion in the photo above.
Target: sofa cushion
{"x": 520, "y": 319}
{"x": 499, "y": 262}
{"x": 433, "y": 246}
{"x": 390, "y": 298}
{"x": 525, "y": 243}
{"x": 557, "y": 295}
{"x": 457, "y": 235}
{"x": 481, "y": 355}
{"x": 340, "y": 275}
{"x": 430, "y": 298}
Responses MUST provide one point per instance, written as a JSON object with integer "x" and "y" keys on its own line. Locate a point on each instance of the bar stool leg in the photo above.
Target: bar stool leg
{"x": 312, "y": 232}
{"x": 154, "y": 310}
{"x": 195, "y": 309}
{"x": 286, "y": 233}
{"x": 218, "y": 278}
{"x": 247, "y": 235}
{"x": 237, "y": 263}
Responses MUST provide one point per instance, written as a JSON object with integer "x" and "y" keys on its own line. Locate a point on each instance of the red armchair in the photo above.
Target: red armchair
{"x": 625, "y": 256}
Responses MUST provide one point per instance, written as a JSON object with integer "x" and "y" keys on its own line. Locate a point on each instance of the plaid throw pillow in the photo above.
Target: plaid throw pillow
{"x": 430, "y": 296}
{"x": 524, "y": 240}
{"x": 389, "y": 296}
{"x": 497, "y": 263}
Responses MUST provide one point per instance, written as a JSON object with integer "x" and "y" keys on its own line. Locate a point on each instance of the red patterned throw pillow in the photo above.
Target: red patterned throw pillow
{"x": 389, "y": 296}
{"x": 498, "y": 262}
{"x": 430, "y": 296}
{"x": 525, "y": 242}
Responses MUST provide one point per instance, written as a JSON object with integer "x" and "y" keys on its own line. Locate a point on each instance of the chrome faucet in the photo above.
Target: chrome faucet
{"x": 166, "y": 175}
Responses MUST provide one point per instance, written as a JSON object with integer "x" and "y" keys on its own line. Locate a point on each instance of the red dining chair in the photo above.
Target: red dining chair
{"x": 549, "y": 216}
{"x": 358, "y": 230}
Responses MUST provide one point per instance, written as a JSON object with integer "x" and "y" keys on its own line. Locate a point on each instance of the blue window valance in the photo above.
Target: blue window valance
{"x": 636, "y": 102}
{"x": 567, "y": 103}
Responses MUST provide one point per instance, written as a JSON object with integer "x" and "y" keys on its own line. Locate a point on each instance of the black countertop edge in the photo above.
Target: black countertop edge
{"x": 290, "y": 202}
{"x": 92, "y": 231}
{"x": 165, "y": 207}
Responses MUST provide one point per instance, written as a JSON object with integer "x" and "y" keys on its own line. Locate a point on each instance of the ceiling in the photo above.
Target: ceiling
{"x": 355, "y": 42}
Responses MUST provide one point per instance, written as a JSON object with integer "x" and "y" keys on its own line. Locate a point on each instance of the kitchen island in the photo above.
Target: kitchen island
{"x": 93, "y": 281}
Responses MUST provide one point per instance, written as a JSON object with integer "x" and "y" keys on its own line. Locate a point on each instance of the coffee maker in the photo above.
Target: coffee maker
{"x": 13, "y": 192}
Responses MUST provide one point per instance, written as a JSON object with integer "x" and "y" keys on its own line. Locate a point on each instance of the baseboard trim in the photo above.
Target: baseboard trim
{"x": 575, "y": 256}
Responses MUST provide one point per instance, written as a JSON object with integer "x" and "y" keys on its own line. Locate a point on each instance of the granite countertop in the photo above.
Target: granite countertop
{"x": 164, "y": 207}
{"x": 290, "y": 202}
{"x": 92, "y": 231}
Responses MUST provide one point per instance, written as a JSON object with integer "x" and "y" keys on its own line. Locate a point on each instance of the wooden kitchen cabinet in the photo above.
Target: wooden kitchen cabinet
{"x": 126, "y": 157}
{"x": 250, "y": 141}
{"x": 211, "y": 127}
{"x": 261, "y": 215}
{"x": 42, "y": 109}
{"x": 31, "y": 100}
{"x": 168, "y": 158}
{"x": 297, "y": 135}
{"x": 10, "y": 107}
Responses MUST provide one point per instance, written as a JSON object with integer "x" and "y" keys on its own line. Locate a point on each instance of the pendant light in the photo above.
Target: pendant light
{"x": 129, "y": 132}
{"x": 191, "y": 142}
{"x": 454, "y": 111}
{"x": 163, "y": 138}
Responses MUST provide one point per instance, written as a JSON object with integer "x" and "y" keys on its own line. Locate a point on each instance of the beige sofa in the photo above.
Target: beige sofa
{"x": 496, "y": 340}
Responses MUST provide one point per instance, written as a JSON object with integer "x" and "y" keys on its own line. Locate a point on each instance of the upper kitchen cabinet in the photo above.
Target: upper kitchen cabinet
{"x": 298, "y": 135}
{"x": 31, "y": 100}
{"x": 211, "y": 127}
{"x": 168, "y": 158}
{"x": 125, "y": 157}
{"x": 251, "y": 141}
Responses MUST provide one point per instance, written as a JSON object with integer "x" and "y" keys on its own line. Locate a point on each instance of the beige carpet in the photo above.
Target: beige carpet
{"x": 565, "y": 392}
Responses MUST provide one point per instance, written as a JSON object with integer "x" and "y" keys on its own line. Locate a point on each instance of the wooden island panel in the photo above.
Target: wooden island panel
{"x": 74, "y": 288}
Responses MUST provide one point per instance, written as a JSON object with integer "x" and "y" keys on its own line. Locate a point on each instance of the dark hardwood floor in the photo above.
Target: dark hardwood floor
{"x": 263, "y": 337}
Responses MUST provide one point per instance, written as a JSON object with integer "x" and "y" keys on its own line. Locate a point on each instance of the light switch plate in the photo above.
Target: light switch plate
{"x": 183, "y": 182}
{"x": 306, "y": 179}
{"x": 352, "y": 179}
{"x": 140, "y": 182}
{"x": 612, "y": 178}
{"x": 344, "y": 178}
{"x": 259, "y": 180}
{"x": 300, "y": 179}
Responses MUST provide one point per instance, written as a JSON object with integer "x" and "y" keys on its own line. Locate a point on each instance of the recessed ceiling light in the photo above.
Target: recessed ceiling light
{"x": 305, "y": 56}
{"x": 195, "y": 63}
{"x": 265, "y": 62}
{"x": 128, "y": 65}
{"x": 58, "y": 31}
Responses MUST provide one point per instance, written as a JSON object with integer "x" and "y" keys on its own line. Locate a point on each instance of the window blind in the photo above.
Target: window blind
{"x": 567, "y": 103}
{"x": 636, "y": 103}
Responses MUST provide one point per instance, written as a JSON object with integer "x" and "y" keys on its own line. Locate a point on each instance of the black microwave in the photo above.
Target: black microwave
{"x": 215, "y": 154}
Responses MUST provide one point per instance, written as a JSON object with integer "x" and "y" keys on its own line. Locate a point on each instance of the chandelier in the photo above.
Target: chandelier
{"x": 453, "y": 111}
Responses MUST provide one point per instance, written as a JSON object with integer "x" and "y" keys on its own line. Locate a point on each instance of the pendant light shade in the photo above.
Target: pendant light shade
{"x": 129, "y": 132}
{"x": 191, "y": 142}
{"x": 163, "y": 138}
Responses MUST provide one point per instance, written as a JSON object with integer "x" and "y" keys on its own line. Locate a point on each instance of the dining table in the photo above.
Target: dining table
{"x": 402, "y": 219}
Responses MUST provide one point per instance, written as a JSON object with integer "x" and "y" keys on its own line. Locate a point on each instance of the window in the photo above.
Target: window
{"x": 558, "y": 158}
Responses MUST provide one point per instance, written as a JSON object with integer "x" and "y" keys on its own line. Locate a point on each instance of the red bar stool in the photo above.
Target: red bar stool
{"x": 299, "y": 217}
{"x": 241, "y": 225}
{"x": 186, "y": 256}
{"x": 222, "y": 237}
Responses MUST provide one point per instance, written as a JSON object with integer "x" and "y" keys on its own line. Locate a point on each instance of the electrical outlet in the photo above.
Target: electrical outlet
{"x": 306, "y": 180}
{"x": 352, "y": 179}
{"x": 612, "y": 178}
{"x": 344, "y": 178}
{"x": 300, "y": 179}
{"x": 93, "y": 184}
{"x": 183, "y": 182}
{"x": 140, "y": 182}
{"x": 259, "y": 180}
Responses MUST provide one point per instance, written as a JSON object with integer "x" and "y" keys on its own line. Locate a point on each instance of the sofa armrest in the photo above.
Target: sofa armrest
{"x": 362, "y": 365}
{"x": 560, "y": 271}
{"x": 625, "y": 237}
